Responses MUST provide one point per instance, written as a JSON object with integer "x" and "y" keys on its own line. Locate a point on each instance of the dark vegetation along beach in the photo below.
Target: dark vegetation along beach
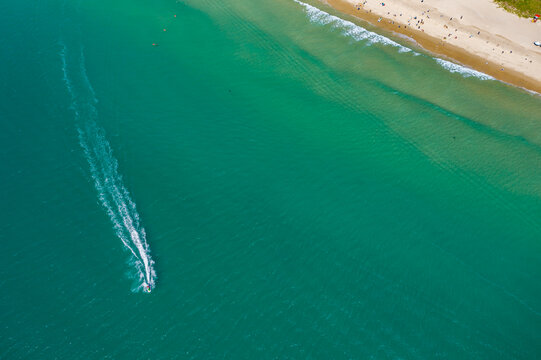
{"x": 523, "y": 8}
{"x": 204, "y": 179}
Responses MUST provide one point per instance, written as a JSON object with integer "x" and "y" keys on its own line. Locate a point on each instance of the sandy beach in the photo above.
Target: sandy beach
{"x": 477, "y": 34}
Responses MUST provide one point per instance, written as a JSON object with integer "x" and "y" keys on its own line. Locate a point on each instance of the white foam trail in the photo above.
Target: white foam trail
{"x": 462, "y": 70}
{"x": 112, "y": 193}
{"x": 348, "y": 28}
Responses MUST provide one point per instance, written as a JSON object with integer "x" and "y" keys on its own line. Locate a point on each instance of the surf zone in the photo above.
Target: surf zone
{"x": 113, "y": 195}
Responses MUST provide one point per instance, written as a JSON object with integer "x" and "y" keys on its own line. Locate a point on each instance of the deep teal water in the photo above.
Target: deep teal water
{"x": 307, "y": 191}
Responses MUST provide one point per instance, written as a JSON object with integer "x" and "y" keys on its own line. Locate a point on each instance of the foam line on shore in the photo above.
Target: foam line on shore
{"x": 348, "y": 28}
{"x": 462, "y": 70}
{"x": 358, "y": 33}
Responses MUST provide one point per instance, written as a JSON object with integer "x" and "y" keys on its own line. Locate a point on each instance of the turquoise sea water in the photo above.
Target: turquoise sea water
{"x": 307, "y": 189}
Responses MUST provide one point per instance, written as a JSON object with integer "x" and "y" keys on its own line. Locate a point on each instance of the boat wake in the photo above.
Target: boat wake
{"x": 112, "y": 193}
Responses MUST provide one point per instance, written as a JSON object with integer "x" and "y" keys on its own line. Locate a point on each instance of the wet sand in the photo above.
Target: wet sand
{"x": 478, "y": 43}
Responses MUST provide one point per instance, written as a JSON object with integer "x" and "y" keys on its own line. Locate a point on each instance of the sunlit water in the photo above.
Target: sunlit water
{"x": 303, "y": 185}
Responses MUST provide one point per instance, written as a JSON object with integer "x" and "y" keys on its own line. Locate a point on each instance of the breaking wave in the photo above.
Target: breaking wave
{"x": 462, "y": 70}
{"x": 358, "y": 33}
{"x": 348, "y": 28}
{"x": 112, "y": 193}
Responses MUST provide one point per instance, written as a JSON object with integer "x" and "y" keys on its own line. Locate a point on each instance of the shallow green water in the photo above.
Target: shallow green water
{"x": 305, "y": 193}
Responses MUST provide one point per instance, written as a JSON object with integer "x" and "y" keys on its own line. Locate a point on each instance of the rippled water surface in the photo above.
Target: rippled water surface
{"x": 290, "y": 184}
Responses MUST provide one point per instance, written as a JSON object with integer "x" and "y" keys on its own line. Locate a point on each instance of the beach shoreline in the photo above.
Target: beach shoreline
{"x": 491, "y": 49}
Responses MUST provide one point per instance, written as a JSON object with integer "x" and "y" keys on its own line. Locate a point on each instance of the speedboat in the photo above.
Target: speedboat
{"x": 146, "y": 288}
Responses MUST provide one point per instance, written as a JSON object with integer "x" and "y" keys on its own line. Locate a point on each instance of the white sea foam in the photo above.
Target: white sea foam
{"x": 112, "y": 193}
{"x": 462, "y": 70}
{"x": 358, "y": 33}
{"x": 348, "y": 28}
